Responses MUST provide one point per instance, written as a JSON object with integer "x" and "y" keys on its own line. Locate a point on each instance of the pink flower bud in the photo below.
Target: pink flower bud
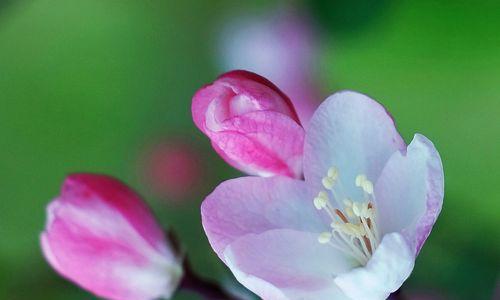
{"x": 251, "y": 124}
{"x": 100, "y": 235}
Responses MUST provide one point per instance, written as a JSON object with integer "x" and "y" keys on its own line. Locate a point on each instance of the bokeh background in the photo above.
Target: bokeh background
{"x": 105, "y": 86}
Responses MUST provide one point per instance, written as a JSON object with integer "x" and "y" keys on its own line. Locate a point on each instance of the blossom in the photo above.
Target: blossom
{"x": 173, "y": 169}
{"x": 251, "y": 124}
{"x": 281, "y": 45}
{"x": 100, "y": 235}
{"x": 351, "y": 229}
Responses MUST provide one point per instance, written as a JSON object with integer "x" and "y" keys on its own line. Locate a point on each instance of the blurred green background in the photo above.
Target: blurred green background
{"x": 87, "y": 85}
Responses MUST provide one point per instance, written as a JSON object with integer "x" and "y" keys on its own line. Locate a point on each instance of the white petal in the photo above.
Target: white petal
{"x": 353, "y": 133}
{"x": 410, "y": 192}
{"x": 385, "y": 272}
{"x": 287, "y": 264}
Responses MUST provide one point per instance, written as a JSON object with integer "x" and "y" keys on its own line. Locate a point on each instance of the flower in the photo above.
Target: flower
{"x": 100, "y": 235}
{"x": 351, "y": 230}
{"x": 173, "y": 169}
{"x": 282, "y": 46}
{"x": 251, "y": 124}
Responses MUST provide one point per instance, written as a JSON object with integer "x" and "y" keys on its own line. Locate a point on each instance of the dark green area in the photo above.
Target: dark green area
{"x": 84, "y": 85}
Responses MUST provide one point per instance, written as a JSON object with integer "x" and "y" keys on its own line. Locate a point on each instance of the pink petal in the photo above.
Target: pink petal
{"x": 80, "y": 189}
{"x": 410, "y": 191}
{"x": 254, "y": 205}
{"x": 95, "y": 238}
{"x": 287, "y": 264}
{"x": 251, "y": 124}
{"x": 241, "y": 82}
{"x": 385, "y": 272}
{"x": 265, "y": 143}
{"x": 353, "y": 133}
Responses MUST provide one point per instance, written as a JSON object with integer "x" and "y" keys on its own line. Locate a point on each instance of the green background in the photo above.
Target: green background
{"x": 84, "y": 85}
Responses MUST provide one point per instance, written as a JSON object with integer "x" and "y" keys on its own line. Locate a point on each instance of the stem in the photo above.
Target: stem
{"x": 208, "y": 290}
{"x": 397, "y": 295}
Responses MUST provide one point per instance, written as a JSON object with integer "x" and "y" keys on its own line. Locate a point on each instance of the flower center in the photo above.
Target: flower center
{"x": 354, "y": 230}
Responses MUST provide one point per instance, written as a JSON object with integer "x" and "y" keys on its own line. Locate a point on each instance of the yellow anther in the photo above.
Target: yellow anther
{"x": 363, "y": 182}
{"x": 321, "y": 200}
{"x": 360, "y": 179}
{"x": 333, "y": 173}
{"x": 324, "y": 237}
{"x": 360, "y": 209}
{"x": 368, "y": 187}
{"x": 328, "y": 183}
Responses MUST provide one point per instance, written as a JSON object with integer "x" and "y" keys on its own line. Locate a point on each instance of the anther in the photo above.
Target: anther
{"x": 360, "y": 179}
{"x": 359, "y": 209}
{"x": 321, "y": 200}
{"x": 363, "y": 182}
{"x": 324, "y": 237}
{"x": 328, "y": 182}
{"x": 333, "y": 173}
{"x": 368, "y": 187}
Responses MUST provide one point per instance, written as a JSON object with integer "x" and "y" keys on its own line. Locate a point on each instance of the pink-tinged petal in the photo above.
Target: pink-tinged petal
{"x": 287, "y": 264}
{"x": 247, "y": 83}
{"x": 254, "y": 205}
{"x": 251, "y": 124}
{"x": 410, "y": 191}
{"x": 265, "y": 143}
{"x": 94, "y": 238}
{"x": 353, "y": 133}
{"x": 82, "y": 189}
{"x": 385, "y": 272}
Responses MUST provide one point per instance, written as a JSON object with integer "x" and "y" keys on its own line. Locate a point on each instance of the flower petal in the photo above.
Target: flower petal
{"x": 84, "y": 188}
{"x": 100, "y": 235}
{"x": 241, "y": 82}
{"x": 264, "y": 143}
{"x": 385, "y": 272}
{"x": 105, "y": 255}
{"x": 353, "y": 133}
{"x": 253, "y": 205}
{"x": 410, "y": 191}
{"x": 287, "y": 264}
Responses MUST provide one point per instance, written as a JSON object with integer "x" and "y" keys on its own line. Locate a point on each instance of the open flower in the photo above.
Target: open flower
{"x": 352, "y": 229}
{"x": 100, "y": 235}
{"x": 251, "y": 124}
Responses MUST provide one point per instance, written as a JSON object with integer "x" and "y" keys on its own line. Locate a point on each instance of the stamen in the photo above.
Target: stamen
{"x": 324, "y": 237}
{"x": 353, "y": 222}
{"x": 321, "y": 200}
{"x": 341, "y": 216}
{"x": 368, "y": 187}
{"x": 368, "y": 244}
{"x": 360, "y": 179}
{"x": 328, "y": 182}
{"x": 333, "y": 173}
{"x": 363, "y": 182}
